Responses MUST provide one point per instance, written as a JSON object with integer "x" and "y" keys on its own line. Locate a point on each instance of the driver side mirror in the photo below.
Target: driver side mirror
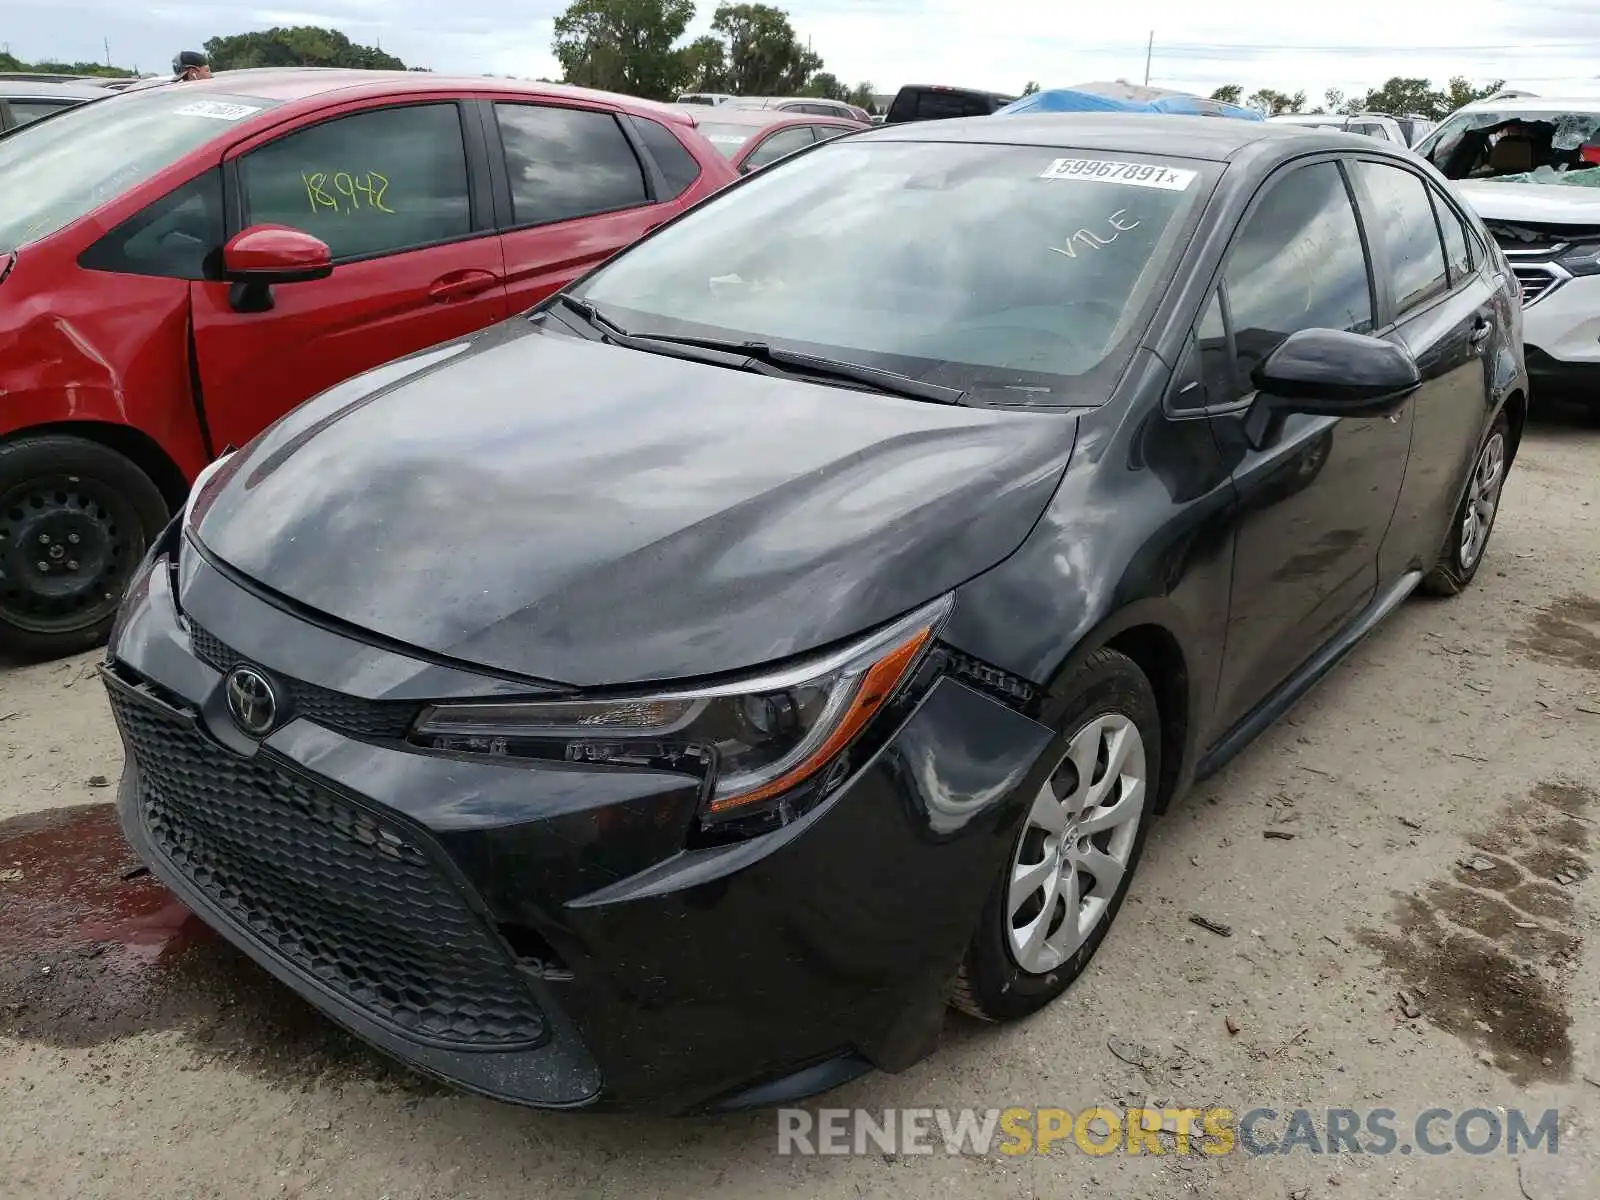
{"x": 1329, "y": 373}
{"x": 256, "y": 258}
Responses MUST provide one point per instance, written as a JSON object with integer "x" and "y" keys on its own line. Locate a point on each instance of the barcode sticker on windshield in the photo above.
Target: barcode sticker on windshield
{"x": 1102, "y": 170}
{"x": 216, "y": 110}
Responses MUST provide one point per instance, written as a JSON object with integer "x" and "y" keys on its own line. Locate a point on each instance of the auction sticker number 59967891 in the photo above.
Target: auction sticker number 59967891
{"x": 1102, "y": 170}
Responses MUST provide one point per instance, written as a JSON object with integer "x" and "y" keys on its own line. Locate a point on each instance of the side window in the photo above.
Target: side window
{"x": 1456, "y": 255}
{"x": 375, "y": 182}
{"x": 1403, "y": 217}
{"x": 826, "y": 133}
{"x": 173, "y": 236}
{"x": 566, "y": 163}
{"x": 678, "y": 167}
{"x": 785, "y": 141}
{"x": 1215, "y": 360}
{"x": 31, "y": 110}
{"x": 1297, "y": 263}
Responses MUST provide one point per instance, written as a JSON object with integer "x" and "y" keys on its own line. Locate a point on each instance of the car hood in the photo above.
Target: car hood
{"x": 577, "y": 513}
{"x": 1538, "y": 203}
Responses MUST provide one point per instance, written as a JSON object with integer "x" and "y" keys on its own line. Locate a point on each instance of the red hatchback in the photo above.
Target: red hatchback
{"x": 180, "y": 266}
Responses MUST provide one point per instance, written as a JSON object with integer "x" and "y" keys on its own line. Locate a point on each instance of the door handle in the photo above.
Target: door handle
{"x": 458, "y": 285}
{"x": 1482, "y": 329}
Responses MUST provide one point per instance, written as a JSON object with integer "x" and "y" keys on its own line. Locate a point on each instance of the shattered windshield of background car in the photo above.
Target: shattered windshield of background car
{"x": 1548, "y": 147}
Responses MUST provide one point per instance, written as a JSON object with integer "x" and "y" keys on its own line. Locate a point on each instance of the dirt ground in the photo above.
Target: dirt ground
{"x": 1442, "y": 790}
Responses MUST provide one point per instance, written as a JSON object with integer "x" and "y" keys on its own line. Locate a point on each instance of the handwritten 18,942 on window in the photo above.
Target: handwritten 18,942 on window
{"x": 345, "y": 192}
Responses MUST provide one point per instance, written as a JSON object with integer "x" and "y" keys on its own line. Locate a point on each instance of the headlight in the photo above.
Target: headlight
{"x": 1582, "y": 259}
{"x": 753, "y": 740}
{"x": 206, "y": 484}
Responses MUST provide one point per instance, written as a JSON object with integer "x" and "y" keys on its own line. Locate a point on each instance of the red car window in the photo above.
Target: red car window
{"x": 567, "y": 162}
{"x": 374, "y": 182}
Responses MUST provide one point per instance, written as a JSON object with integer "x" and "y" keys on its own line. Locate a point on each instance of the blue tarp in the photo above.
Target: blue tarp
{"x": 1080, "y": 100}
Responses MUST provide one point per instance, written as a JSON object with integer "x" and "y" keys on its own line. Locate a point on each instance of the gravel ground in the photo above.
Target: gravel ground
{"x": 1441, "y": 788}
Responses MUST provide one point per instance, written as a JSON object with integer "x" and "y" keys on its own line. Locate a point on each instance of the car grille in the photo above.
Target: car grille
{"x": 345, "y": 896}
{"x": 1535, "y": 281}
{"x": 347, "y": 714}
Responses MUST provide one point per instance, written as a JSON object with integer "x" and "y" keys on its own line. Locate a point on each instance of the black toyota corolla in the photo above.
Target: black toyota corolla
{"x": 678, "y": 694}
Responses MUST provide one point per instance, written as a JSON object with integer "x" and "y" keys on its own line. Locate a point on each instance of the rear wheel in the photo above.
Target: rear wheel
{"x": 1468, "y": 538}
{"x": 1075, "y": 855}
{"x": 75, "y": 519}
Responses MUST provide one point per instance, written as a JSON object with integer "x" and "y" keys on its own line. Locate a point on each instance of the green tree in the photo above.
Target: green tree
{"x": 296, "y": 46}
{"x": 861, "y": 96}
{"x": 706, "y": 65}
{"x": 1031, "y": 87}
{"x": 624, "y": 45}
{"x": 826, "y": 86}
{"x": 1402, "y": 95}
{"x": 10, "y": 62}
{"x": 1229, "y": 93}
{"x": 1274, "y": 103}
{"x": 1460, "y": 91}
{"x": 764, "y": 56}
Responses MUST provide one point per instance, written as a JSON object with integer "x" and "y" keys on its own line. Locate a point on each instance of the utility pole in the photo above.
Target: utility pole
{"x": 1149, "y": 48}
{"x": 106, "y": 42}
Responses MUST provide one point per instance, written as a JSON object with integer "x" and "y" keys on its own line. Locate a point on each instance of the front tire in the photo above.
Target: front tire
{"x": 1074, "y": 857}
{"x": 75, "y": 520}
{"x": 1467, "y": 540}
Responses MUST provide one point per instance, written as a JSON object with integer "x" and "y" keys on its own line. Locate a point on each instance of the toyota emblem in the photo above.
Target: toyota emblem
{"x": 251, "y": 701}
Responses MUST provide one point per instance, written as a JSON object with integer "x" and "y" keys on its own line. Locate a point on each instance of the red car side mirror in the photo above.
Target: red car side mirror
{"x": 268, "y": 254}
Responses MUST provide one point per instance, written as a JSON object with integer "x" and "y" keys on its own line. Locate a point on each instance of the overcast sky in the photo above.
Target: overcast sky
{"x": 999, "y": 44}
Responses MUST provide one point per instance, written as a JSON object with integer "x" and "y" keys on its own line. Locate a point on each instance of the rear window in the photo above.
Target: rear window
{"x": 82, "y": 158}
{"x": 1019, "y": 274}
{"x": 930, "y": 104}
{"x": 1519, "y": 145}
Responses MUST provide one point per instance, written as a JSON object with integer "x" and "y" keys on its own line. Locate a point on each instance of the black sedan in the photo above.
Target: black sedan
{"x": 675, "y": 696}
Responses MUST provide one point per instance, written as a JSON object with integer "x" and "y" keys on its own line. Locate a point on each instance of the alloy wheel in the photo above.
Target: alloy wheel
{"x": 1077, "y": 844}
{"x": 1483, "y": 497}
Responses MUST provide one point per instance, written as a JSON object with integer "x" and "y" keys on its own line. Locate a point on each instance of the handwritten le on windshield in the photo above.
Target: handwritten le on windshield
{"x": 1087, "y": 237}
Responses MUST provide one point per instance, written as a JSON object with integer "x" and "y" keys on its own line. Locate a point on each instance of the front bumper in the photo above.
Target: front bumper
{"x": 539, "y": 932}
{"x": 1561, "y": 331}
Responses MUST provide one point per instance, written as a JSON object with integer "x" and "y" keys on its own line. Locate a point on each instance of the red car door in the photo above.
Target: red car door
{"x": 399, "y": 192}
{"x": 579, "y": 190}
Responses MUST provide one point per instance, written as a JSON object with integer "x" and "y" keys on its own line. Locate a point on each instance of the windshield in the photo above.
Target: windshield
{"x": 65, "y": 167}
{"x": 1519, "y": 145}
{"x": 727, "y": 138}
{"x": 1011, "y": 273}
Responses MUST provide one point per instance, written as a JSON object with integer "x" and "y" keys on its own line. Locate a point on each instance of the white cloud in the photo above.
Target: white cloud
{"x": 999, "y": 44}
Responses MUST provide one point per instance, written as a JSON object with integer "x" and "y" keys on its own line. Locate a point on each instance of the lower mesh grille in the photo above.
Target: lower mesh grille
{"x": 347, "y": 714}
{"x": 346, "y": 897}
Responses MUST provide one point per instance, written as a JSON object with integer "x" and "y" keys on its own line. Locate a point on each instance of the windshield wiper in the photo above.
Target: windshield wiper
{"x": 819, "y": 366}
{"x": 768, "y": 359}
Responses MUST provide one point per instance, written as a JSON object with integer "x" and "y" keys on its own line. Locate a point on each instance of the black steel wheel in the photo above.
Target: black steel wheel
{"x": 75, "y": 519}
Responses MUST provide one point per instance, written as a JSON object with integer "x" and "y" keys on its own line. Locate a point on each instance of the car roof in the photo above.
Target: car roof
{"x": 18, "y": 88}
{"x": 1216, "y": 139}
{"x": 311, "y": 83}
{"x": 769, "y": 101}
{"x": 948, "y": 87}
{"x": 1536, "y": 103}
{"x": 760, "y": 118}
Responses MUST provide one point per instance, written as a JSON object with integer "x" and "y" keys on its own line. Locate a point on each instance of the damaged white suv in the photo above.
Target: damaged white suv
{"x": 1530, "y": 167}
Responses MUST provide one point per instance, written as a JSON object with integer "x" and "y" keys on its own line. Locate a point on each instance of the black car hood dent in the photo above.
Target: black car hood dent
{"x": 579, "y": 513}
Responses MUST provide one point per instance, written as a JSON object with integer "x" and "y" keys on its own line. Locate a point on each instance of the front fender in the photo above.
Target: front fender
{"x": 1137, "y": 537}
